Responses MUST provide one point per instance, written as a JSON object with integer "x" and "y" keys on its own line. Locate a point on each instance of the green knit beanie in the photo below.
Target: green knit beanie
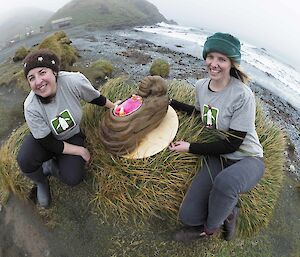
{"x": 225, "y": 44}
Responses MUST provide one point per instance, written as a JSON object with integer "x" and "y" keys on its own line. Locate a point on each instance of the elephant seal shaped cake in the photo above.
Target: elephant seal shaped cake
{"x": 123, "y": 128}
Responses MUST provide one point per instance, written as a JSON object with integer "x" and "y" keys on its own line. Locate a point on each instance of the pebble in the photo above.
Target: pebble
{"x": 292, "y": 168}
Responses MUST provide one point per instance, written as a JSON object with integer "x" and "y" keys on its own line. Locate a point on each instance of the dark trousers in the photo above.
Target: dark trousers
{"x": 32, "y": 155}
{"x": 215, "y": 189}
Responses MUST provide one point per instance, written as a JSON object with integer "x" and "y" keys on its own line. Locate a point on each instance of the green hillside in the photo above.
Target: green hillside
{"x": 109, "y": 13}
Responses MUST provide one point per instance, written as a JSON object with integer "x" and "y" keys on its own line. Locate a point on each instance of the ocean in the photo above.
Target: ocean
{"x": 263, "y": 68}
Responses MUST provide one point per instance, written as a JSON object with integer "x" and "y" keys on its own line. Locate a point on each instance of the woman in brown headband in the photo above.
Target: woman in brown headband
{"x": 53, "y": 113}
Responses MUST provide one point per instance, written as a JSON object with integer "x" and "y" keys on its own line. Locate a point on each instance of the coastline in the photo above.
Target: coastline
{"x": 133, "y": 51}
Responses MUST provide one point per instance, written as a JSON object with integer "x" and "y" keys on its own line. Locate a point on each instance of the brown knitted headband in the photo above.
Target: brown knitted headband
{"x": 41, "y": 58}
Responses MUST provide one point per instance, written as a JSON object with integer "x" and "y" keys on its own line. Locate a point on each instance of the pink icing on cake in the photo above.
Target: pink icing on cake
{"x": 129, "y": 106}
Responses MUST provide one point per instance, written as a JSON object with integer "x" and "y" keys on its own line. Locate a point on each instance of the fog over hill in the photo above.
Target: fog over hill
{"x": 108, "y": 14}
{"x": 20, "y": 21}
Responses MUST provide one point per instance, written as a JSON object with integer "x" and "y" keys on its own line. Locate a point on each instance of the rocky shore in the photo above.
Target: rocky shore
{"x": 133, "y": 51}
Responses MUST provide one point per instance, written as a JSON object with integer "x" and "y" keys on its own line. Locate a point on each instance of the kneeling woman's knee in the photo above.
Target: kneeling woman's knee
{"x": 73, "y": 179}
{"x": 24, "y": 162}
{"x": 226, "y": 185}
{"x": 184, "y": 215}
{"x": 189, "y": 214}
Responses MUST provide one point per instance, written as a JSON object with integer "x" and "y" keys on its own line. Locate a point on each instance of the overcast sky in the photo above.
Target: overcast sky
{"x": 272, "y": 24}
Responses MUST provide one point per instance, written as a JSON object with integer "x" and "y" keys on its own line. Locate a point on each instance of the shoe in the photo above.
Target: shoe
{"x": 43, "y": 193}
{"x": 188, "y": 234}
{"x": 230, "y": 224}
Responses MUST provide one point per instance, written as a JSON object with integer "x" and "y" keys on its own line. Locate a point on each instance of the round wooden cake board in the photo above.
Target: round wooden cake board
{"x": 159, "y": 138}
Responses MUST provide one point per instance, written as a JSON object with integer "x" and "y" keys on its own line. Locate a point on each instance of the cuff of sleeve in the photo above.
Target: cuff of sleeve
{"x": 194, "y": 148}
{"x": 103, "y": 100}
{"x": 201, "y": 148}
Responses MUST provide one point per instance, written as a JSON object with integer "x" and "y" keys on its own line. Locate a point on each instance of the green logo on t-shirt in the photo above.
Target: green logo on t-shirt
{"x": 63, "y": 122}
{"x": 210, "y": 116}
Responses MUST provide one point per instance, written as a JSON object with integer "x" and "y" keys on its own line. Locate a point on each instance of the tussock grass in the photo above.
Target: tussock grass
{"x": 126, "y": 190}
{"x": 20, "y": 54}
{"x": 257, "y": 205}
{"x": 148, "y": 187}
{"x": 8, "y": 72}
{"x": 59, "y": 43}
{"x": 155, "y": 186}
{"x": 10, "y": 178}
{"x": 98, "y": 71}
{"x": 160, "y": 67}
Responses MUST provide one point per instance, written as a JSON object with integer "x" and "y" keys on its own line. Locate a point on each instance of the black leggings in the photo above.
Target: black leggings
{"x": 71, "y": 167}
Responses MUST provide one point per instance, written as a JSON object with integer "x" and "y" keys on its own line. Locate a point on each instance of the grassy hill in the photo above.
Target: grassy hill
{"x": 109, "y": 13}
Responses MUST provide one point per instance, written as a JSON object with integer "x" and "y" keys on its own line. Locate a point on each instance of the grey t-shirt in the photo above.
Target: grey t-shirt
{"x": 63, "y": 114}
{"x": 232, "y": 108}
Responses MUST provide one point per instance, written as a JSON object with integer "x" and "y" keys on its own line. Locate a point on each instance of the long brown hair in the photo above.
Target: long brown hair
{"x": 236, "y": 72}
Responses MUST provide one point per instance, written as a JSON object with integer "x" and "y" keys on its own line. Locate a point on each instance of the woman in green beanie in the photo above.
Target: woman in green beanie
{"x": 232, "y": 165}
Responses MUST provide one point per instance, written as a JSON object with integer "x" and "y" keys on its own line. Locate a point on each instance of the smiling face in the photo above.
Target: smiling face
{"x": 42, "y": 81}
{"x": 218, "y": 66}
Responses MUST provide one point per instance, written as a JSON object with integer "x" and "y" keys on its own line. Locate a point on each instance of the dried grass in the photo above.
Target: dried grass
{"x": 155, "y": 186}
{"x": 139, "y": 189}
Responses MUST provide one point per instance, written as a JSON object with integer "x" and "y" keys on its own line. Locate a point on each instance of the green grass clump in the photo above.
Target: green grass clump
{"x": 102, "y": 69}
{"x": 99, "y": 70}
{"x": 124, "y": 189}
{"x": 59, "y": 43}
{"x": 257, "y": 206}
{"x": 7, "y": 71}
{"x": 20, "y": 54}
{"x": 10, "y": 178}
{"x": 20, "y": 81}
{"x": 160, "y": 67}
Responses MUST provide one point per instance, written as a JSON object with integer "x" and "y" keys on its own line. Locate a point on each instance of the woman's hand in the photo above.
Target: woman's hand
{"x": 77, "y": 150}
{"x": 109, "y": 104}
{"x": 180, "y": 146}
{"x": 117, "y": 102}
{"x": 85, "y": 154}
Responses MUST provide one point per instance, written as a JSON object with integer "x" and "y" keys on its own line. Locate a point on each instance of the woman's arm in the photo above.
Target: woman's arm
{"x": 103, "y": 101}
{"x": 51, "y": 144}
{"x": 227, "y": 145}
{"x": 179, "y": 106}
{"x": 76, "y": 150}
